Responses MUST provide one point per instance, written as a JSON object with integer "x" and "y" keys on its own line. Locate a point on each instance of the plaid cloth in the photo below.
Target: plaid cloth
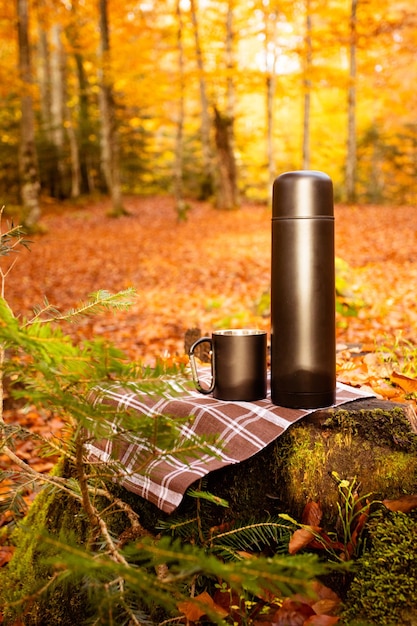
{"x": 241, "y": 428}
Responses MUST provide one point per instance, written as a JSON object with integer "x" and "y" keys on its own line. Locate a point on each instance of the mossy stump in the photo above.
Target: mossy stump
{"x": 371, "y": 441}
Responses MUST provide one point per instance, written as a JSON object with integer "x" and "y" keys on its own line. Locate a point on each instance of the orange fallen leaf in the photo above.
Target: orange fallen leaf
{"x": 403, "y": 504}
{"x": 325, "y": 606}
{"x": 302, "y": 538}
{"x": 312, "y": 514}
{"x": 6, "y": 553}
{"x": 195, "y": 608}
{"x": 292, "y": 612}
{"x": 407, "y": 384}
{"x": 321, "y": 620}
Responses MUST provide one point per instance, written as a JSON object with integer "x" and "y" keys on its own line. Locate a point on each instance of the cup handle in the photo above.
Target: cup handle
{"x": 194, "y": 366}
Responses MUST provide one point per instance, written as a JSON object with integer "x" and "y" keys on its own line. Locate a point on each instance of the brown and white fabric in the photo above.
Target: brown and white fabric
{"x": 241, "y": 429}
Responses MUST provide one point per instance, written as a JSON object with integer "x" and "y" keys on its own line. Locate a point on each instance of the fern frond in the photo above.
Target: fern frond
{"x": 270, "y": 534}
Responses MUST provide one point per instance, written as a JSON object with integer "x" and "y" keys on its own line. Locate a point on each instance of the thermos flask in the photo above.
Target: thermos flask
{"x": 303, "y": 332}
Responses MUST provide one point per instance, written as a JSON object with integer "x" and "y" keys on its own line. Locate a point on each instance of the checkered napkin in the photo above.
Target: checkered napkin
{"x": 241, "y": 429}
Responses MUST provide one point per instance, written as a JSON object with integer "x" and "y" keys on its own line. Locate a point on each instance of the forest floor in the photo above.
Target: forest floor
{"x": 213, "y": 270}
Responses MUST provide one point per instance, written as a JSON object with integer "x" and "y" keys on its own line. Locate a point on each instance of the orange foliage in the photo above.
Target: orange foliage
{"x": 212, "y": 271}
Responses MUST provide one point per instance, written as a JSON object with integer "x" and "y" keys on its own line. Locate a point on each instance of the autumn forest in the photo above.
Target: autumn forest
{"x": 208, "y": 100}
{"x": 139, "y": 141}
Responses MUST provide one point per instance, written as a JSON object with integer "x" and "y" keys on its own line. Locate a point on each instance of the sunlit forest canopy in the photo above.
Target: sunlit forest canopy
{"x": 182, "y": 90}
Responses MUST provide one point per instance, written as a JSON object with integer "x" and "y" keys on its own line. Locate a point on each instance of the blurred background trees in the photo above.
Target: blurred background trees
{"x": 207, "y": 98}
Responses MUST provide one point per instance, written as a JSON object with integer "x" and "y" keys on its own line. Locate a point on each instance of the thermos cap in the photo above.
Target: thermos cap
{"x": 302, "y": 194}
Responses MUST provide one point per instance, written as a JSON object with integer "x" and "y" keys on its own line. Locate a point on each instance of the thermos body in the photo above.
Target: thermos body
{"x": 303, "y": 333}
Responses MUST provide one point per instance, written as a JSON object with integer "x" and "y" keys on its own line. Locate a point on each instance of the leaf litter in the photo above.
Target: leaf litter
{"x": 213, "y": 271}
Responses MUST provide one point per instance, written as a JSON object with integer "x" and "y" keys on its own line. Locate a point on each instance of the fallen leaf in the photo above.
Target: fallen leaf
{"x": 194, "y": 609}
{"x": 326, "y": 606}
{"x": 302, "y": 538}
{"x": 321, "y": 620}
{"x": 292, "y": 613}
{"x": 407, "y": 384}
{"x": 403, "y": 504}
{"x": 312, "y": 514}
{"x": 6, "y": 553}
{"x": 323, "y": 592}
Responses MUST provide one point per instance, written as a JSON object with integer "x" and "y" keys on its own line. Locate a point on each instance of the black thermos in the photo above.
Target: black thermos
{"x": 303, "y": 326}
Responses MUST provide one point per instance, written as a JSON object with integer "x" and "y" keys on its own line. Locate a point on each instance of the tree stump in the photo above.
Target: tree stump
{"x": 371, "y": 441}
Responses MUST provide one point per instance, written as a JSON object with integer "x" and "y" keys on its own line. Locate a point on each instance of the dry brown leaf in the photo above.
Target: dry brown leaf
{"x": 292, "y": 613}
{"x": 312, "y": 514}
{"x": 407, "y": 384}
{"x": 321, "y": 620}
{"x": 324, "y": 593}
{"x": 302, "y": 538}
{"x": 403, "y": 504}
{"x": 326, "y": 606}
{"x": 194, "y": 609}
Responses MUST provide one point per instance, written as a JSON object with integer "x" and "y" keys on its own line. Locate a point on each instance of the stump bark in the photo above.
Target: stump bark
{"x": 371, "y": 441}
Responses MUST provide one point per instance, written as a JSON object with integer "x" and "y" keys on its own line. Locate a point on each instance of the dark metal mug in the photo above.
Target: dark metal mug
{"x": 238, "y": 364}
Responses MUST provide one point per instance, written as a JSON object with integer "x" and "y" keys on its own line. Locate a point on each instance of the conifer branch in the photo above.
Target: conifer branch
{"x": 96, "y": 520}
{"x": 97, "y": 302}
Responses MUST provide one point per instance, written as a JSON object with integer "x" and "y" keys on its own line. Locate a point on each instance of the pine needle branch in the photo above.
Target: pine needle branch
{"x": 97, "y": 303}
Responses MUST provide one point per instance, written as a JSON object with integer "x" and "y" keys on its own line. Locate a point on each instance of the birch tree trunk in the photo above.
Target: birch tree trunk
{"x": 208, "y": 182}
{"x": 28, "y": 163}
{"x": 232, "y": 175}
{"x": 110, "y": 149}
{"x": 306, "y": 159}
{"x": 270, "y": 53}
{"x": 179, "y": 139}
{"x": 58, "y": 109}
{"x": 351, "y": 156}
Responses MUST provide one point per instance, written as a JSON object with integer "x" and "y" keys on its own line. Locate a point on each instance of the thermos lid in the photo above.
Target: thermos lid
{"x": 303, "y": 193}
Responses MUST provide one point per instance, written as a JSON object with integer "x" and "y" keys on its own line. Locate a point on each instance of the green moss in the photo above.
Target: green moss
{"x": 383, "y": 590}
{"x": 306, "y": 465}
{"x": 374, "y": 446}
{"x": 394, "y": 470}
{"x": 392, "y": 426}
{"x": 27, "y": 573}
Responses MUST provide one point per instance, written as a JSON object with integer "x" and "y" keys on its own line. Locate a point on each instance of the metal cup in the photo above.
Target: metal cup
{"x": 238, "y": 364}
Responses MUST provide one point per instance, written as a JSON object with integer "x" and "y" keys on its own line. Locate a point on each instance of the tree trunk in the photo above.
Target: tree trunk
{"x": 57, "y": 118}
{"x": 230, "y": 101}
{"x": 351, "y": 123}
{"x": 83, "y": 160}
{"x": 307, "y": 90}
{"x": 370, "y": 441}
{"x": 110, "y": 150}
{"x": 270, "y": 18}
{"x": 227, "y": 191}
{"x": 87, "y": 182}
{"x": 208, "y": 183}
{"x": 28, "y": 162}
{"x": 181, "y": 206}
